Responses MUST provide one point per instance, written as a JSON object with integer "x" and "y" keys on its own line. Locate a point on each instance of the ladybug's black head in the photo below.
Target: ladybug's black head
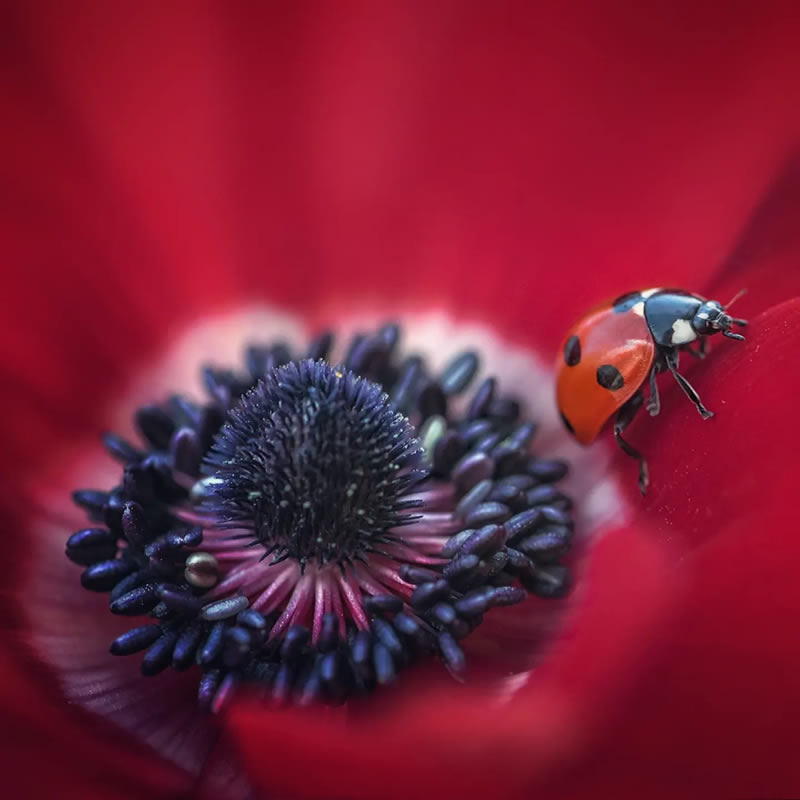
{"x": 711, "y": 318}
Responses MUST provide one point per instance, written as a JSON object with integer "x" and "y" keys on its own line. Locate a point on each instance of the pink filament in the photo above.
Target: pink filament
{"x": 303, "y": 597}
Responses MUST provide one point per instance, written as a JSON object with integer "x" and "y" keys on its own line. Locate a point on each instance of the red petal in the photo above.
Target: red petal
{"x": 718, "y": 715}
{"x": 721, "y": 706}
{"x": 493, "y": 156}
{"x": 706, "y": 473}
{"x": 149, "y": 182}
{"x": 460, "y": 742}
{"x": 766, "y": 256}
{"x": 50, "y": 750}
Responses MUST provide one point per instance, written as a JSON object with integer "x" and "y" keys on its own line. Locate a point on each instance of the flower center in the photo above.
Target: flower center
{"x": 316, "y": 461}
{"x": 312, "y": 529}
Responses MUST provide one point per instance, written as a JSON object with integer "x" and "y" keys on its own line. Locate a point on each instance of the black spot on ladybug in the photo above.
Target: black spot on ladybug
{"x": 626, "y": 302}
{"x": 572, "y": 351}
{"x": 567, "y": 423}
{"x": 609, "y": 377}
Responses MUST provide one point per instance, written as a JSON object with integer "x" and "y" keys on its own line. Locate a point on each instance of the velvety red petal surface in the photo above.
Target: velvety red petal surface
{"x": 313, "y": 153}
{"x": 720, "y": 708}
{"x": 731, "y": 465}
{"x": 50, "y": 750}
{"x": 513, "y": 164}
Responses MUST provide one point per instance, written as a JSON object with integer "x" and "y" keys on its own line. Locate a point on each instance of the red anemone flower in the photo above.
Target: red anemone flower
{"x": 178, "y": 180}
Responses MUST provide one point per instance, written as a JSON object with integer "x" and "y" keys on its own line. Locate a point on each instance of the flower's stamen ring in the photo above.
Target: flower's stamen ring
{"x": 313, "y": 529}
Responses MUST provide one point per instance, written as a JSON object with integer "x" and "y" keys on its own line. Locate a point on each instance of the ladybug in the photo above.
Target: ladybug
{"x": 607, "y": 358}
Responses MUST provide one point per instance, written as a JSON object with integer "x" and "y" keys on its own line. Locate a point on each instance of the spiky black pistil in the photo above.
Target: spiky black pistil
{"x": 316, "y": 461}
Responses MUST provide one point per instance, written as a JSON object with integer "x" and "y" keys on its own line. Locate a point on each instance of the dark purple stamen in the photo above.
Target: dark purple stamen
{"x": 313, "y": 529}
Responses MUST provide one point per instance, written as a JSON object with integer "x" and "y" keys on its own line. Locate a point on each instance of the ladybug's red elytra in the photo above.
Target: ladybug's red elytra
{"x": 608, "y": 356}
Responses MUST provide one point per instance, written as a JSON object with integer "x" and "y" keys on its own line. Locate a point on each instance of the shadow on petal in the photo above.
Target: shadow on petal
{"x": 766, "y": 260}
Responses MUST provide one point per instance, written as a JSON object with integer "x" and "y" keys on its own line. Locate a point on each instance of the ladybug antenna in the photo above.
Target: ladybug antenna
{"x": 738, "y": 294}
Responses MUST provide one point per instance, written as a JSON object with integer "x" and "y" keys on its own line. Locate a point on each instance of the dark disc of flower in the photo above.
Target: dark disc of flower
{"x": 316, "y": 461}
{"x": 458, "y": 518}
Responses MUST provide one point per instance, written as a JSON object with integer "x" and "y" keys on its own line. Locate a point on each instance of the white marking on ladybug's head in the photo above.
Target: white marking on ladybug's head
{"x": 638, "y": 308}
{"x": 683, "y": 332}
{"x": 649, "y": 293}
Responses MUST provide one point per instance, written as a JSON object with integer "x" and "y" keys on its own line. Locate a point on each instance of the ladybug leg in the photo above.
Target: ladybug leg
{"x": 653, "y": 405}
{"x": 701, "y": 351}
{"x": 671, "y": 359}
{"x": 624, "y": 418}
